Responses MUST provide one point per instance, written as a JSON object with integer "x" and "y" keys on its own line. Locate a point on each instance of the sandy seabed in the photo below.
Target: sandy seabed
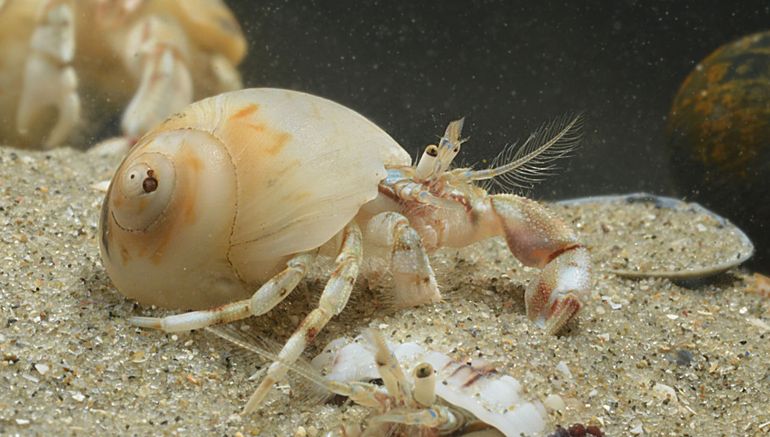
{"x": 647, "y": 356}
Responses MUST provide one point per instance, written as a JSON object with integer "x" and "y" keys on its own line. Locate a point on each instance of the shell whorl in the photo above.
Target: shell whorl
{"x": 142, "y": 191}
{"x": 173, "y": 195}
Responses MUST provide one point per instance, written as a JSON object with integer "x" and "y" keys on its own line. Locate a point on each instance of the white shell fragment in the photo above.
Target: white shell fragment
{"x": 679, "y": 258}
{"x": 494, "y": 398}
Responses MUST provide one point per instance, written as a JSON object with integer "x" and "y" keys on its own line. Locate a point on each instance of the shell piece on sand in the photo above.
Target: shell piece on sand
{"x": 494, "y": 398}
{"x": 709, "y": 229}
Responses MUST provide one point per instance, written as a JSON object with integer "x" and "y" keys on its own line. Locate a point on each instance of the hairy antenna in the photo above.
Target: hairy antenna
{"x": 524, "y": 166}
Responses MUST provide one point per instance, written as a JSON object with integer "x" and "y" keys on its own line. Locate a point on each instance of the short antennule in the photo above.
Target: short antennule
{"x": 450, "y": 143}
{"x": 436, "y": 159}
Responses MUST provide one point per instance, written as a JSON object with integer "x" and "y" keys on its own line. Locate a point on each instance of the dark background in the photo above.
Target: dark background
{"x": 507, "y": 66}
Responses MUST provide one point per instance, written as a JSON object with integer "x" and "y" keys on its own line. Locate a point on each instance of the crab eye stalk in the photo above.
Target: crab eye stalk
{"x": 427, "y": 162}
{"x": 424, "y": 384}
{"x": 438, "y": 158}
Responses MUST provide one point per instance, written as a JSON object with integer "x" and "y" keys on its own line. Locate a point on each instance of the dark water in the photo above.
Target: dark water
{"x": 506, "y": 67}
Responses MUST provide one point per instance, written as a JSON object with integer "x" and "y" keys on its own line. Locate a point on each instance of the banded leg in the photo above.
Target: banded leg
{"x": 49, "y": 79}
{"x": 333, "y": 300}
{"x": 437, "y": 416}
{"x": 270, "y": 294}
{"x": 537, "y": 237}
{"x": 389, "y": 368}
{"x": 413, "y": 278}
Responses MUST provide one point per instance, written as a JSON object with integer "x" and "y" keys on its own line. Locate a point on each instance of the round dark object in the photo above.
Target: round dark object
{"x": 577, "y": 430}
{"x": 560, "y": 432}
{"x": 594, "y": 431}
{"x": 719, "y": 137}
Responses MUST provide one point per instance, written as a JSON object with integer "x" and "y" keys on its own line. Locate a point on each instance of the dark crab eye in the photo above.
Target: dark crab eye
{"x": 432, "y": 150}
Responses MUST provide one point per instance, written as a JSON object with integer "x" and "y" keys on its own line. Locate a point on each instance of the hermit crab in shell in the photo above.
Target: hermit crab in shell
{"x": 223, "y": 207}
{"x": 423, "y": 392}
{"x": 153, "y": 57}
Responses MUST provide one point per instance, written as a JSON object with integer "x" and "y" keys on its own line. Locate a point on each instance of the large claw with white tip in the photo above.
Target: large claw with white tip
{"x": 153, "y": 54}
{"x": 555, "y": 297}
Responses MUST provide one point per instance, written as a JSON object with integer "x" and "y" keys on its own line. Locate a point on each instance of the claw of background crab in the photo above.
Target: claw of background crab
{"x": 166, "y": 87}
{"x": 154, "y": 53}
{"x": 214, "y": 27}
{"x": 156, "y": 56}
{"x": 49, "y": 80}
{"x": 227, "y": 76}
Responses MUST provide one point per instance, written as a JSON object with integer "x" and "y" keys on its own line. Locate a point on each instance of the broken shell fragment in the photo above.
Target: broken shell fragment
{"x": 705, "y": 245}
{"x": 493, "y": 398}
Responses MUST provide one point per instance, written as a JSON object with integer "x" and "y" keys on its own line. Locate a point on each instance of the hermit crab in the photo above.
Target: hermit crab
{"x": 156, "y": 56}
{"x": 223, "y": 207}
{"x": 424, "y": 392}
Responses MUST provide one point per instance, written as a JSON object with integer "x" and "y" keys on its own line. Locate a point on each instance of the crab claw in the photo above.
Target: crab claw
{"x": 156, "y": 55}
{"x": 554, "y": 298}
{"x": 49, "y": 79}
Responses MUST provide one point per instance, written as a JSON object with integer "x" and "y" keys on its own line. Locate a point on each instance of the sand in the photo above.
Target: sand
{"x": 646, "y": 357}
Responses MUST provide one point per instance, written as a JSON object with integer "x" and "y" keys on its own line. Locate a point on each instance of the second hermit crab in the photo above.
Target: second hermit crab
{"x": 223, "y": 207}
{"x": 59, "y": 57}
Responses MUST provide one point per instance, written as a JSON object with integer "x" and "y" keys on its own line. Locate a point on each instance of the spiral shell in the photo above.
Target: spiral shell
{"x": 214, "y": 200}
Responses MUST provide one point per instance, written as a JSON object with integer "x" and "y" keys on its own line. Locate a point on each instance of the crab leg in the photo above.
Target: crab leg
{"x": 49, "y": 79}
{"x": 362, "y": 393}
{"x": 401, "y": 186}
{"x": 434, "y": 417}
{"x": 413, "y": 277}
{"x": 389, "y": 368}
{"x": 333, "y": 300}
{"x": 270, "y": 294}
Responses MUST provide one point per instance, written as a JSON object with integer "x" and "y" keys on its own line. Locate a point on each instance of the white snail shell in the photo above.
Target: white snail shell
{"x": 213, "y": 201}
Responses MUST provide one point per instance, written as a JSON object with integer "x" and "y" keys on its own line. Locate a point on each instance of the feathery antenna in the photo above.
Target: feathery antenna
{"x": 524, "y": 166}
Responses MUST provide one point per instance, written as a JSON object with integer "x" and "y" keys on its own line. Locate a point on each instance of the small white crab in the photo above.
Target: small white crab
{"x": 224, "y": 206}
{"x": 438, "y": 397}
{"x": 57, "y": 57}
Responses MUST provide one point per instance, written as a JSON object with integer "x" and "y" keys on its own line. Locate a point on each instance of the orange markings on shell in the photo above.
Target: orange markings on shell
{"x": 270, "y": 141}
{"x": 125, "y": 257}
{"x": 190, "y": 161}
{"x": 245, "y": 111}
{"x": 185, "y": 201}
